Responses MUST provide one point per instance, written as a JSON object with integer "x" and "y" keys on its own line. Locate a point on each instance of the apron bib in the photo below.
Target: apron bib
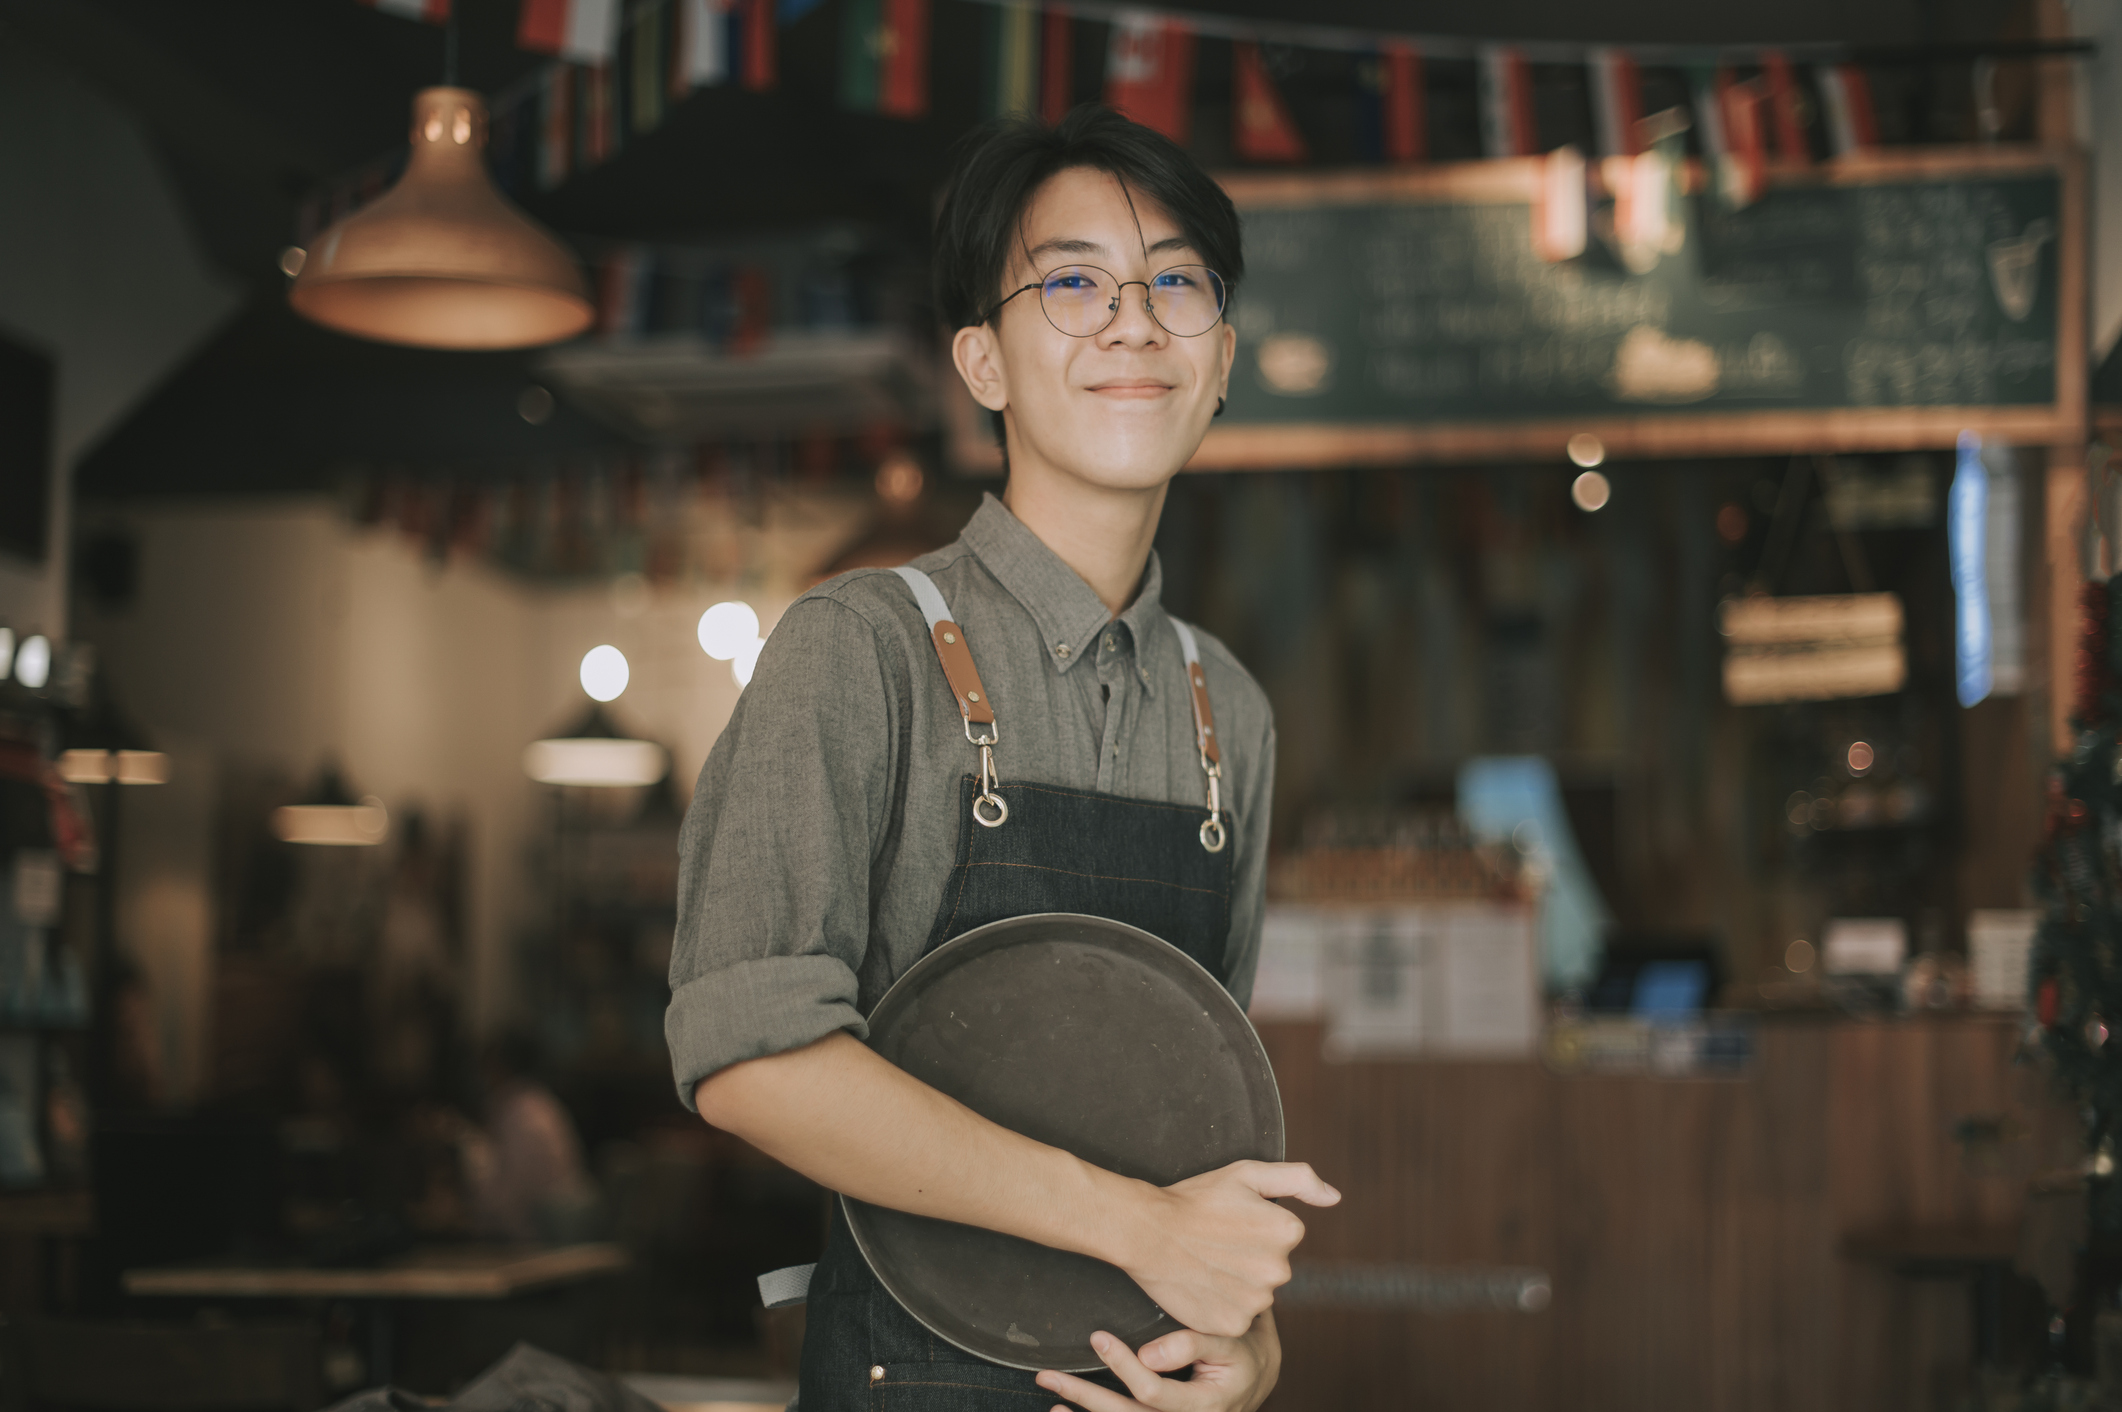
{"x": 1022, "y": 848}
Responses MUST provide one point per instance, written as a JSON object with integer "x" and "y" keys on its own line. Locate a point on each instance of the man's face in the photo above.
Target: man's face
{"x": 1127, "y": 406}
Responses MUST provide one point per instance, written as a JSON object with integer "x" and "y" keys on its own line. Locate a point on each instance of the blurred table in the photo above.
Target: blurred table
{"x": 445, "y": 1272}
{"x": 691, "y": 1394}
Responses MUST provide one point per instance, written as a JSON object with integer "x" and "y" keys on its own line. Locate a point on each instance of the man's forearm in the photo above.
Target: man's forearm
{"x": 854, "y": 1123}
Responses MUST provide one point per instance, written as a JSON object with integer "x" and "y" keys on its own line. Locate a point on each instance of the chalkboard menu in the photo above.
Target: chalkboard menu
{"x": 1888, "y": 303}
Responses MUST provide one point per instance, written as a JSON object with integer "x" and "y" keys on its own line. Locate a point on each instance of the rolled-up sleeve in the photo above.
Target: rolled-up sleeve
{"x": 775, "y": 855}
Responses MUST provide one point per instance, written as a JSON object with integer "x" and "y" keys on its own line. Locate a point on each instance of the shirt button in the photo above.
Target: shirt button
{"x": 1061, "y": 650}
{"x": 1108, "y": 642}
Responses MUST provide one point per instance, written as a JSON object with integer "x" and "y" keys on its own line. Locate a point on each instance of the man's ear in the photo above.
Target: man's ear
{"x": 1230, "y": 356}
{"x": 978, "y": 358}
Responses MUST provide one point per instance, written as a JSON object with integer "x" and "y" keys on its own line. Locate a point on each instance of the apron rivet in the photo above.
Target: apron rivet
{"x": 972, "y": 696}
{"x": 948, "y": 638}
{"x": 876, "y": 1373}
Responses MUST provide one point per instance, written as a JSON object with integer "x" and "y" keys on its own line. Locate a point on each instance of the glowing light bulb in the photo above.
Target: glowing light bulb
{"x": 1587, "y": 450}
{"x": 1591, "y": 491}
{"x": 742, "y": 665}
{"x": 33, "y": 662}
{"x": 728, "y": 630}
{"x": 604, "y": 672}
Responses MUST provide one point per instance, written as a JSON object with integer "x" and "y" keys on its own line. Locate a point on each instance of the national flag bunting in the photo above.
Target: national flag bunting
{"x": 700, "y": 52}
{"x": 884, "y": 57}
{"x": 1617, "y": 101}
{"x": 1404, "y": 104}
{"x": 1261, "y": 127}
{"x": 1742, "y": 167}
{"x": 1057, "y": 67}
{"x": 435, "y": 12}
{"x": 1507, "y": 128}
{"x": 1149, "y": 73}
{"x": 1845, "y": 97}
{"x": 581, "y": 31}
{"x": 1013, "y": 62}
{"x": 556, "y": 148}
{"x": 1785, "y": 121}
{"x": 756, "y": 45}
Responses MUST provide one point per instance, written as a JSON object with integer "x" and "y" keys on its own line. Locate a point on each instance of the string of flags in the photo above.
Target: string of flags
{"x": 620, "y": 67}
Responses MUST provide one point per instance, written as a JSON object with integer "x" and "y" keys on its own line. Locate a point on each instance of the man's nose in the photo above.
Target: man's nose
{"x": 1133, "y": 321}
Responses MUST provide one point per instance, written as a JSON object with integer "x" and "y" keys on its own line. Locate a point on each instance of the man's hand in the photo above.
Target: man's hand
{"x": 1230, "y": 1374}
{"x": 1217, "y": 1247}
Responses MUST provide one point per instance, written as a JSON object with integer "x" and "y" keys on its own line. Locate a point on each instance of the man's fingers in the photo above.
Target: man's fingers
{"x": 1278, "y": 1179}
{"x": 1143, "y": 1383}
{"x": 1175, "y": 1351}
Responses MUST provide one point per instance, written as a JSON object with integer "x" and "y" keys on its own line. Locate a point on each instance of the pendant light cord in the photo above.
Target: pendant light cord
{"x": 449, "y": 48}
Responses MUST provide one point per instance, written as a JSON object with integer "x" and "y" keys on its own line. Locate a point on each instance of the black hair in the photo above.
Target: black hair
{"x": 997, "y": 169}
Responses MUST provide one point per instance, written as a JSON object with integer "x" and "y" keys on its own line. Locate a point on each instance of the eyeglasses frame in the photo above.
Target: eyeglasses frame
{"x": 1149, "y": 305}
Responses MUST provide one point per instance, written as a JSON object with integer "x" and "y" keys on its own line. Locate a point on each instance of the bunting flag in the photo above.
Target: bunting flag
{"x": 1617, "y": 101}
{"x": 1562, "y": 206}
{"x": 902, "y": 91}
{"x": 1507, "y": 128}
{"x": 1845, "y": 96}
{"x": 755, "y": 43}
{"x": 644, "y": 105}
{"x": 1261, "y": 127}
{"x": 1149, "y": 73}
{"x": 597, "y": 132}
{"x": 1785, "y": 121}
{"x": 557, "y": 144}
{"x": 1013, "y": 90}
{"x": 1742, "y": 170}
{"x": 700, "y": 55}
{"x": 1404, "y": 105}
{"x": 434, "y": 12}
{"x": 1057, "y": 68}
{"x": 581, "y": 31}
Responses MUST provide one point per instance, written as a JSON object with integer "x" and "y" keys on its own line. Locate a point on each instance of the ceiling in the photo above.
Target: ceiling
{"x": 254, "y": 103}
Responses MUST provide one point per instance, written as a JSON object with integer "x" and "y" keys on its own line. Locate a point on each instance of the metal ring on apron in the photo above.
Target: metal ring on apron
{"x": 1213, "y": 834}
{"x": 1001, "y": 808}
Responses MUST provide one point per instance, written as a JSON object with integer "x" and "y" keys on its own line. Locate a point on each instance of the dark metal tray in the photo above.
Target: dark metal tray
{"x": 1092, "y": 1036}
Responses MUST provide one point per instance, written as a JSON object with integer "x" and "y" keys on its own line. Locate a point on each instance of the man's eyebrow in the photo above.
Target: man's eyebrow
{"x": 1072, "y": 245}
{"x": 1064, "y": 245}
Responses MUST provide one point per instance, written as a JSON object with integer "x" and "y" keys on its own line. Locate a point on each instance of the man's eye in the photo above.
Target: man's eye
{"x": 1072, "y": 284}
{"x": 1174, "y": 280}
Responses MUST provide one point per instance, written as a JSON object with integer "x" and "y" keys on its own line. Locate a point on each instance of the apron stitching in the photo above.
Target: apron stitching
{"x": 1100, "y": 877}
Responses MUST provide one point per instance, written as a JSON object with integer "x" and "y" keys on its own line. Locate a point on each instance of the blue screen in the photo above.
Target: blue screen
{"x": 1670, "y": 989}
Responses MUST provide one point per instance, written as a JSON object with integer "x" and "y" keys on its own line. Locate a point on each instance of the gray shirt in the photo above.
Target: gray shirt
{"x": 826, "y": 820}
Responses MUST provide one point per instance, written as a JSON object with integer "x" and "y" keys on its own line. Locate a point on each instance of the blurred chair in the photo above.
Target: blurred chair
{"x": 142, "y": 1367}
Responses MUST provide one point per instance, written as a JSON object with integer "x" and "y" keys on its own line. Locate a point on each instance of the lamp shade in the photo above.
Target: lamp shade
{"x": 594, "y": 754}
{"x": 331, "y": 815}
{"x": 102, "y": 744}
{"x": 442, "y": 259}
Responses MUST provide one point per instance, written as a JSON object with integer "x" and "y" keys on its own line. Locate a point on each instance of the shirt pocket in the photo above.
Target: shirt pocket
{"x": 955, "y": 1387}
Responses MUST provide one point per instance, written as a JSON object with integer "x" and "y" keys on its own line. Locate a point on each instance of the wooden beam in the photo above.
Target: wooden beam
{"x": 2065, "y": 520}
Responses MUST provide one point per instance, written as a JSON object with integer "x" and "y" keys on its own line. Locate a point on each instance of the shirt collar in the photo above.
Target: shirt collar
{"x": 1067, "y": 610}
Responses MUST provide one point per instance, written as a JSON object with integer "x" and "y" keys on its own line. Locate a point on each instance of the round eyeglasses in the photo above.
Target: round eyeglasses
{"x": 1081, "y": 300}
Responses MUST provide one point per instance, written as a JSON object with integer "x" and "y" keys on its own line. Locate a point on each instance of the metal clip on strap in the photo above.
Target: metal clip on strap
{"x": 965, "y": 685}
{"x": 1213, "y": 833}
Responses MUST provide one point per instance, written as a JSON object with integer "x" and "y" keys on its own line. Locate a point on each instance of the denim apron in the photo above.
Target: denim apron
{"x": 1022, "y": 848}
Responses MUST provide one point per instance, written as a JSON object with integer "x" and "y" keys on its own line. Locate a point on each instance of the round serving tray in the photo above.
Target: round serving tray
{"x": 1090, "y": 1035}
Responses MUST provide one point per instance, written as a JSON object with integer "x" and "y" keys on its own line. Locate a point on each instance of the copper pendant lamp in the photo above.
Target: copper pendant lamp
{"x": 442, "y": 259}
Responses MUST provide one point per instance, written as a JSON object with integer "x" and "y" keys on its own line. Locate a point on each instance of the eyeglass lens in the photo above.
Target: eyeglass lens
{"x": 1080, "y": 300}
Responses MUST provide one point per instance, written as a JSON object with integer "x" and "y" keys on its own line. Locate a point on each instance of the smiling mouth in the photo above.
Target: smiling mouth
{"x": 1137, "y": 387}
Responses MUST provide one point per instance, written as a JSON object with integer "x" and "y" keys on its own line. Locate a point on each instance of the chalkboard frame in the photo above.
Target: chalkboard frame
{"x": 1323, "y": 445}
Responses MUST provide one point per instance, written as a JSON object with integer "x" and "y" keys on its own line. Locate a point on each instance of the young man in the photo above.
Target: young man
{"x": 846, "y": 821}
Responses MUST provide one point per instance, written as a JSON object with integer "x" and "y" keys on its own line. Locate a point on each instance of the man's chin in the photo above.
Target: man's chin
{"x": 1131, "y": 462}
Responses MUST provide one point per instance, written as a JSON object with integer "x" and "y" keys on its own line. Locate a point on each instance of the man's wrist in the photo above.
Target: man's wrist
{"x": 1124, "y": 1221}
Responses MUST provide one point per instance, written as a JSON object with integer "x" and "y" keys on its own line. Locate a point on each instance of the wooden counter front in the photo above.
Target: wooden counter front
{"x": 1693, "y": 1228}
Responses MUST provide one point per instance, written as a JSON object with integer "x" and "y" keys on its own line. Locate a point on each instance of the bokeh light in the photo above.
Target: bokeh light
{"x": 728, "y": 630}
{"x": 604, "y": 672}
{"x": 1591, "y": 491}
{"x": 33, "y": 662}
{"x": 1587, "y": 450}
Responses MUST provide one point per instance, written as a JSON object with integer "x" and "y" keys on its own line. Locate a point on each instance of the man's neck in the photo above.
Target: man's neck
{"x": 1104, "y": 535}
